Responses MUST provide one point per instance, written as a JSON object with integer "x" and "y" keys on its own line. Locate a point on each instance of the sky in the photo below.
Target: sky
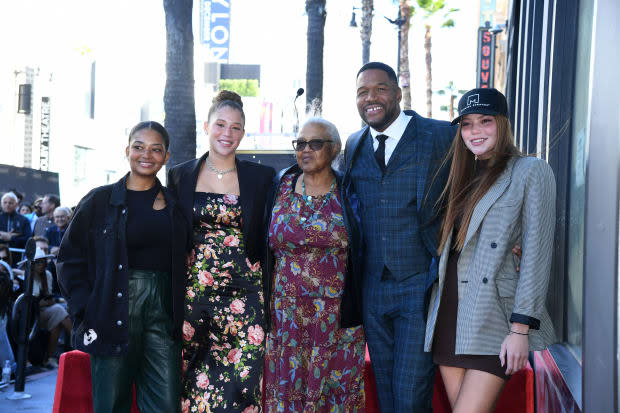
{"x": 129, "y": 37}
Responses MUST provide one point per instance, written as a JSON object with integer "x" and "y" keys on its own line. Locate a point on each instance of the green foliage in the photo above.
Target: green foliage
{"x": 431, "y": 7}
{"x": 448, "y": 23}
{"x": 444, "y": 108}
{"x": 244, "y": 87}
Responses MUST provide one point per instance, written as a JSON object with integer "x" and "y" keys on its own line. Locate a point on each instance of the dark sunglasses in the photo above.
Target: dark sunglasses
{"x": 315, "y": 144}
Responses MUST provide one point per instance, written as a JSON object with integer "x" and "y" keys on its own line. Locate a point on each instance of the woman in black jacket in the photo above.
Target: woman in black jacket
{"x": 223, "y": 336}
{"x": 121, "y": 268}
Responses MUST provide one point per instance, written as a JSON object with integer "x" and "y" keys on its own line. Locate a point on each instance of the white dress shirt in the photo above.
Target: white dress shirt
{"x": 393, "y": 132}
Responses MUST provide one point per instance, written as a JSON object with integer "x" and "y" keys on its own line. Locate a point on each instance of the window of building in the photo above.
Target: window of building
{"x": 576, "y": 210}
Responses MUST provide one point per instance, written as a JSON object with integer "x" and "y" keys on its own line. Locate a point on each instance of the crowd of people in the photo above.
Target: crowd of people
{"x": 236, "y": 288}
{"x": 45, "y": 221}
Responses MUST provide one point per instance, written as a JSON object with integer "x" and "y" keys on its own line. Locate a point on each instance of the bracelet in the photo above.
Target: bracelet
{"x": 521, "y": 334}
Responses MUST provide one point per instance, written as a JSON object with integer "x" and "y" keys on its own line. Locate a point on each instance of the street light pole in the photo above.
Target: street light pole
{"x": 399, "y": 21}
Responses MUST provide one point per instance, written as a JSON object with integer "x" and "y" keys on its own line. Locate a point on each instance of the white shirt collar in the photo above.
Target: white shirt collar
{"x": 396, "y": 129}
{"x": 394, "y": 132}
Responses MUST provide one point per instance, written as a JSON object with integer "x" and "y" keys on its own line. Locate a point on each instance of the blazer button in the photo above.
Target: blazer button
{"x": 119, "y": 295}
{"x": 120, "y": 266}
{"x": 485, "y": 280}
{"x": 493, "y": 245}
{"x": 119, "y": 323}
{"x": 118, "y": 349}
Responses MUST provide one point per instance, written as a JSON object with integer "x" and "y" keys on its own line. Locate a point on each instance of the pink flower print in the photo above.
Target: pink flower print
{"x": 205, "y": 278}
{"x": 244, "y": 373}
{"x": 253, "y": 267}
{"x": 191, "y": 293}
{"x": 234, "y": 356}
{"x": 229, "y": 264}
{"x": 256, "y": 335}
{"x": 185, "y": 405}
{"x": 188, "y": 331}
{"x": 231, "y": 241}
{"x": 230, "y": 199}
{"x": 202, "y": 381}
{"x": 237, "y": 306}
{"x": 251, "y": 409}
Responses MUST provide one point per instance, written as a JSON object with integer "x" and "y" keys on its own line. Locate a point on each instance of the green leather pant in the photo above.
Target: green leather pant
{"x": 153, "y": 361}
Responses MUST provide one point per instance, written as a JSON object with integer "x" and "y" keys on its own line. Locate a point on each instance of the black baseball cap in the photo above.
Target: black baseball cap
{"x": 482, "y": 100}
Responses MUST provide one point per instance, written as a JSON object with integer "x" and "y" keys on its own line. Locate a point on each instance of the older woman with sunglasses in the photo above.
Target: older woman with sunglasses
{"x": 315, "y": 346}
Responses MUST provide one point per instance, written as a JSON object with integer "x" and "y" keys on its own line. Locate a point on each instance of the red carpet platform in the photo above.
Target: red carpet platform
{"x": 74, "y": 385}
{"x": 517, "y": 397}
{"x": 73, "y": 389}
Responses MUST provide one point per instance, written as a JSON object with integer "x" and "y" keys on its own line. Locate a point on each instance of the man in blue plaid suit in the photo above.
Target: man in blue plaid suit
{"x": 390, "y": 164}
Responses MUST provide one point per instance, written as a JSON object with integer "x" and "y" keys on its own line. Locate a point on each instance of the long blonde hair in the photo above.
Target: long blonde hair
{"x": 464, "y": 189}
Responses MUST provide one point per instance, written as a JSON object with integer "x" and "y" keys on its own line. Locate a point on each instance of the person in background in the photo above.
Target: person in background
{"x": 35, "y": 214}
{"x": 48, "y": 205}
{"x": 54, "y": 233}
{"x": 316, "y": 347}
{"x": 121, "y": 267}
{"x": 485, "y": 315}
{"x": 14, "y": 228}
{"x": 6, "y": 305}
{"x": 25, "y": 209}
{"x": 52, "y": 315}
{"x": 223, "y": 336}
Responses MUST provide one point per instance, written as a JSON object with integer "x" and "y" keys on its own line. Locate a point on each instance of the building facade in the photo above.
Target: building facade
{"x": 562, "y": 88}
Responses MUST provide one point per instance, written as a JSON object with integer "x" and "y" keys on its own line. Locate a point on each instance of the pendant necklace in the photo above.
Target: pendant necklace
{"x": 308, "y": 201}
{"x": 220, "y": 174}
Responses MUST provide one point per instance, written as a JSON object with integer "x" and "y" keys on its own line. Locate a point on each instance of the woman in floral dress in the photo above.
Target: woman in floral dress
{"x": 316, "y": 346}
{"x": 223, "y": 336}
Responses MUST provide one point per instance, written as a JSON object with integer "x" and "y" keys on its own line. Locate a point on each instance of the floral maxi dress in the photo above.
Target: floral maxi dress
{"x": 223, "y": 338}
{"x": 311, "y": 364}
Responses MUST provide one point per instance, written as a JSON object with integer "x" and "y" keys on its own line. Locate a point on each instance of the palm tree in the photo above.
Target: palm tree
{"x": 453, "y": 93}
{"x": 180, "y": 120}
{"x": 366, "y": 29}
{"x": 315, "y": 9}
{"x": 430, "y": 8}
{"x": 405, "y": 13}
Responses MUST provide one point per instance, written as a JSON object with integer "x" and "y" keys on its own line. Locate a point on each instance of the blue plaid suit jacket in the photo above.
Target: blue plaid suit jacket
{"x": 400, "y": 225}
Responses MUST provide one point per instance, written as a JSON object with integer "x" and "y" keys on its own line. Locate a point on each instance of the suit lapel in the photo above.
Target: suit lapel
{"x": 404, "y": 148}
{"x": 424, "y": 150}
{"x": 246, "y": 193}
{"x": 485, "y": 203}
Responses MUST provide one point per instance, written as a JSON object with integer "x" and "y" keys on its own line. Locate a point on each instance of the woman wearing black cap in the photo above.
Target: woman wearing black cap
{"x": 485, "y": 314}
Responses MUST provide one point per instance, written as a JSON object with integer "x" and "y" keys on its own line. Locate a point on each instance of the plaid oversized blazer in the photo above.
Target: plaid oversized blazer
{"x": 519, "y": 209}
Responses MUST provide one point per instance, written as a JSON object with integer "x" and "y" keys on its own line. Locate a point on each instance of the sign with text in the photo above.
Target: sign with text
{"x": 215, "y": 28}
{"x": 485, "y": 69}
{"x": 44, "y": 145}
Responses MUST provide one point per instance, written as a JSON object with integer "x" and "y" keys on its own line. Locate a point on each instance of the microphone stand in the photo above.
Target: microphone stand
{"x": 24, "y": 322}
{"x": 300, "y": 92}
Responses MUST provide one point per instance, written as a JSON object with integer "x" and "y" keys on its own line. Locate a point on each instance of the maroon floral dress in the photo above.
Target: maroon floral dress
{"x": 311, "y": 364}
{"x": 223, "y": 338}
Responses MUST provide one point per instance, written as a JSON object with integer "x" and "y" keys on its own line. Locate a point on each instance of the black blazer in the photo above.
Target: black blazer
{"x": 93, "y": 269}
{"x": 254, "y": 183}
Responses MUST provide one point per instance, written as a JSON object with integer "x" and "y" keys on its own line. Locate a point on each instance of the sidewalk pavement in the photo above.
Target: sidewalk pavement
{"x": 40, "y": 386}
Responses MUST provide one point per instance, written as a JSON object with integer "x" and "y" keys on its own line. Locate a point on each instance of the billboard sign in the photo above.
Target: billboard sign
{"x": 215, "y": 28}
{"x": 485, "y": 69}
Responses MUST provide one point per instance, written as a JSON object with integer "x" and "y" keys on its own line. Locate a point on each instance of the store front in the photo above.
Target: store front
{"x": 562, "y": 85}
